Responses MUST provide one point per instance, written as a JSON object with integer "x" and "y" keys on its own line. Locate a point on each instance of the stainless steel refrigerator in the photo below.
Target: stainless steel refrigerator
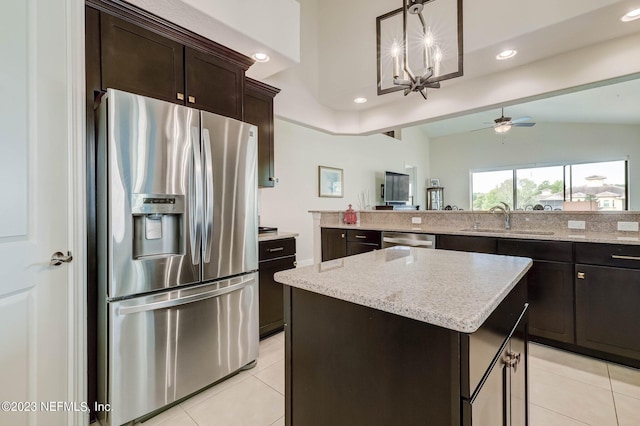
{"x": 177, "y": 237}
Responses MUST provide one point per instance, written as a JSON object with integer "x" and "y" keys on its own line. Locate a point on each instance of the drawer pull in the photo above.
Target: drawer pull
{"x": 616, "y": 256}
{"x": 362, "y": 237}
{"x": 581, "y": 275}
{"x": 272, "y": 250}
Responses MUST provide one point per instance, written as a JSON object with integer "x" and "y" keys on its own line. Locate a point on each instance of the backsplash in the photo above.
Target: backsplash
{"x": 606, "y": 222}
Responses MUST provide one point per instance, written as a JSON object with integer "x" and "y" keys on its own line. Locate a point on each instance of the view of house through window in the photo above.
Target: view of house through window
{"x": 590, "y": 186}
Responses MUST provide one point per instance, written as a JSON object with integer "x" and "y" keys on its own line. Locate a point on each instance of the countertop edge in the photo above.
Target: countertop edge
{"x": 467, "y": 324}
{"x": 575, "y": 237}
{"x": 277, "y": 236}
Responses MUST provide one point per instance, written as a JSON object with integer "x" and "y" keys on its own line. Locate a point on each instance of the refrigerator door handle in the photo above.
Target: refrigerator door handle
{"x": 208, "y": 184}
{"x": 127, "y": 310}
{"x": 195, "y": 197}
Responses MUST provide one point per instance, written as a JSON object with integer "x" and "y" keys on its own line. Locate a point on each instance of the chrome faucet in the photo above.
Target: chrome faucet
{"x": 507, "y": 213}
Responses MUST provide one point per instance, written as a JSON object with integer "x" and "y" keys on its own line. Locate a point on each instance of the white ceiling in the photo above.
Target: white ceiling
{"x": 537, "y": 29}
{"x": 615, "y": 103}
{"x": 561, "y": 46}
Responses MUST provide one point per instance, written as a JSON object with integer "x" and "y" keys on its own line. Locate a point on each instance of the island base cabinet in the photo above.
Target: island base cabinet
{"x": 502, "y": 398}
{"x": 347, "y": 364}
{"x": 607, "y": 309}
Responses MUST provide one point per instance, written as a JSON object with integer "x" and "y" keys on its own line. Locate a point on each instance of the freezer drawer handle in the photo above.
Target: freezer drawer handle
{"x": 126, "y": 310}
{"x": 408, "y": 242}
{"x": 616, "y": 256}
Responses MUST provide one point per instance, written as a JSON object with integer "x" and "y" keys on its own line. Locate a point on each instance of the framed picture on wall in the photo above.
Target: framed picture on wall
{"x": 435, "y": 182}
{"x": 330, "y": 183}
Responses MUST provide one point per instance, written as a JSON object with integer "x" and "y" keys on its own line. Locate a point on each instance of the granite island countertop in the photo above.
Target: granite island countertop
{"x": 450, "y": 289}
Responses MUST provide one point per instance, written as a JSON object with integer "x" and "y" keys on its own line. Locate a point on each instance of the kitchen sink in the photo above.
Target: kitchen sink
{"x": 507, "y": 231}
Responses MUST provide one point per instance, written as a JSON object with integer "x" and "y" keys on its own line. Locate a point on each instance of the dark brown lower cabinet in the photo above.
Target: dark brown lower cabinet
{"x": 502, "y": 398}
{"x": 347, "y": 364}
{"x": 275, "y": 255}
{"x": 467, "y": 243}
{"x": 334, "y": 243}
{"x": 608, "y": 309}
{"x": 551, "y": 300}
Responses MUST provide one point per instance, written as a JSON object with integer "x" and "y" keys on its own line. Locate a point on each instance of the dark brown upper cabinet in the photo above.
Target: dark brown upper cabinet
{"x": 140, "y": 61}
{"x": 258, "y": 110}
{"x": 213, "y": 84}
{"x": 144, "y": 54}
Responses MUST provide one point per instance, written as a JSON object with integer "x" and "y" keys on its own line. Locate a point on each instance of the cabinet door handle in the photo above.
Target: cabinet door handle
{"x": 362, "y": 237}
{"x": 192, "y": 99}
{"x": 617, "y": 256}
{"x": 341, "y": 235}
{"x": 581, "y": 275}
{"x": 272, "y": 250}
{"x": 512, "y": 360}
{"x": 180, "y": 96}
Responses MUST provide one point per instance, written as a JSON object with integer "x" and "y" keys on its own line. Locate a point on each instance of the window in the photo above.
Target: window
{"x": 491, "y": 188}
{"x": 602, "y": 184}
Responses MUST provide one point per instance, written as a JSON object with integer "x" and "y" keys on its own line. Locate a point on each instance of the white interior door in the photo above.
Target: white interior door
{"x": 37, "y": 128}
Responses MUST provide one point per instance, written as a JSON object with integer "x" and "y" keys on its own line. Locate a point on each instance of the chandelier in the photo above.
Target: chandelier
{"x": 419, "y": 45}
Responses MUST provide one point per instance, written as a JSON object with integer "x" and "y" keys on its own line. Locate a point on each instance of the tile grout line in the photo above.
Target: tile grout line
{"x": 191, "y": 417}
{"x": 279, "y": 393}
{"x": 615, "y": 406}
{"x": 559, "y": 413}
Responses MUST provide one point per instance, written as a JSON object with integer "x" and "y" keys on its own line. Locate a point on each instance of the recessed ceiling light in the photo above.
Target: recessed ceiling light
{"x": 506, "y": 54}
{"x": 260, "y": 57}
{"x": 631, "y": 16}
{"x": 360, "y": 100}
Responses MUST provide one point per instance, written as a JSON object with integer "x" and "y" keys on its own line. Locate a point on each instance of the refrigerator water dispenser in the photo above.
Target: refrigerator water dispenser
{"x": 158, "y": 225}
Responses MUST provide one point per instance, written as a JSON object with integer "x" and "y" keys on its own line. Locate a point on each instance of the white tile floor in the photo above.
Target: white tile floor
{"x": 565, "y": 390}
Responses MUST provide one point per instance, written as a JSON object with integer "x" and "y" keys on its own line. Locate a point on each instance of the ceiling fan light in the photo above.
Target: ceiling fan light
{"x": 502, "y": 128}
{"x": 631, "y": 16}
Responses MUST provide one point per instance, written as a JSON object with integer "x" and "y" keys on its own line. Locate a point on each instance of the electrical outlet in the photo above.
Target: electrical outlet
{"x": 628, "y": 226}
{"x": 416, "y": 220}
{"x": 576, "y": 224}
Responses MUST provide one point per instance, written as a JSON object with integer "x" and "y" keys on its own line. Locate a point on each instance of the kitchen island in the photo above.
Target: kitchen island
{"x": 407, "y": 336}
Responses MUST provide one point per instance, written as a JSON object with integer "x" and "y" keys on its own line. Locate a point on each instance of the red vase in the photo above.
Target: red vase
{"x": 350, "y": 216}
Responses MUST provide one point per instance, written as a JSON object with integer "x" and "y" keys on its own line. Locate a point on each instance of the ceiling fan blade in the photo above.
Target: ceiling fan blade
{"x": 519, "y": 119}
{"x": 523, "y": 124}
{"x": 482, "y": 128}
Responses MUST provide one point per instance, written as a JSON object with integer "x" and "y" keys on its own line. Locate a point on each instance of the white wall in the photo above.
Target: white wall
{"x": 453, "y": 156}
{"x": 298, "y": 153}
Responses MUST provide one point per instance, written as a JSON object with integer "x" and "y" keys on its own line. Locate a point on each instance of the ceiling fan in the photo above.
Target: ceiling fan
{"x": 504, "y": 124}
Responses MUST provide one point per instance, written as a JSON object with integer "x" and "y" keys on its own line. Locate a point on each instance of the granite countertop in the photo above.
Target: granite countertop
{"x": 279, "y": 235}
{"x": 450, "y": 289}
{"x": 530, "y": 234}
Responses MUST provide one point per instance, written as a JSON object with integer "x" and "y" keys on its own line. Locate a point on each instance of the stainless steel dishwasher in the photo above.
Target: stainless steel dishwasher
{"x": 390, "y": 239}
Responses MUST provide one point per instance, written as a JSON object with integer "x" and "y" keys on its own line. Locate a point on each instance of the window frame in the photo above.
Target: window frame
{"x": 567, "y": 170}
